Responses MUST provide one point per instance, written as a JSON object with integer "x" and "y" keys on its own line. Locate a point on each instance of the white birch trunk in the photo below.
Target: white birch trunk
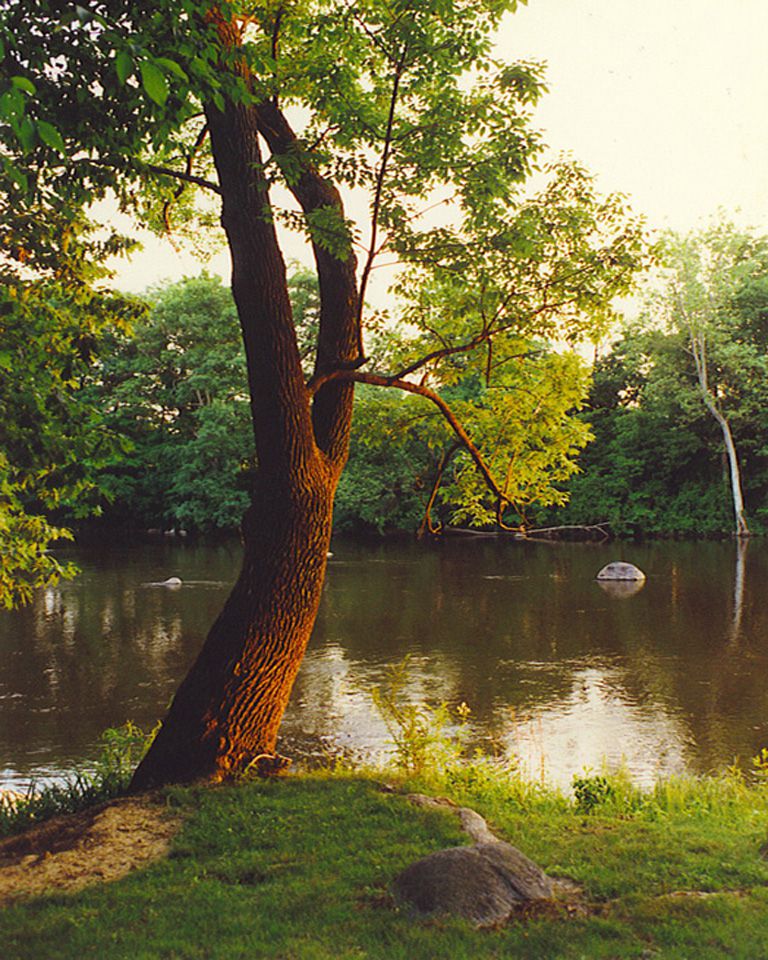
{"x": 698, "y": 347}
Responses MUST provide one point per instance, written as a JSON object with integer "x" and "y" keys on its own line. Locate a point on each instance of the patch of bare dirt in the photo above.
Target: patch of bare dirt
{"x": 95, "y": 846}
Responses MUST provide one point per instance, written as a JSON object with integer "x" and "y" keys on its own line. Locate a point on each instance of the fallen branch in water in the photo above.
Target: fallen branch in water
{"x": 544, "y": 533}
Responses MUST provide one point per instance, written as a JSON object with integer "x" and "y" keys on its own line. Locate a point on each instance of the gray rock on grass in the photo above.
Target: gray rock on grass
{"x": 486, "y": 883}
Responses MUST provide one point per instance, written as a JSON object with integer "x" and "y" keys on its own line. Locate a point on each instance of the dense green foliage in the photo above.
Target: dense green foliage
{"x": 657, "y": 465}
{"x": 54, "y": 319}
{"x": 175, "y": 388}
{"x": 94, "y": 101}
{"x": 407, "y": 472}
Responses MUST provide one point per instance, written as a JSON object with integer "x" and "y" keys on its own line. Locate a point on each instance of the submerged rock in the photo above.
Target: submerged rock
{"x": 621, "y": 589}
{"x": 618, "y": 570}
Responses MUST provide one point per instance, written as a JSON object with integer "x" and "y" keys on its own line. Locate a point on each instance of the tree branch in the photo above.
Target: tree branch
{"x": 338, "y": 341}
{"x": 375, "y": 379}
{"x": 180, "y": 175}
{"x": 485, "y": 335}
{"x": 426, "y": 525}
{"x": 199, "y": 140}
{"x": 161, "y": 172}
{"x": 380, "y": 175}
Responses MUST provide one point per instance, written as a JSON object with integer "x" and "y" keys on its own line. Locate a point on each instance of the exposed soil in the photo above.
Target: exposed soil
{"x": 97, "y": 845}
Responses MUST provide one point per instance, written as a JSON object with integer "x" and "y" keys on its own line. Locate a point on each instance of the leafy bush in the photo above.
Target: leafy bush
{"x": 592, "y": 791}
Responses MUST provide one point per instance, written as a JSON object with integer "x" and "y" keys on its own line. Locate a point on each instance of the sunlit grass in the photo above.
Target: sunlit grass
{"x": 302, "y": 867}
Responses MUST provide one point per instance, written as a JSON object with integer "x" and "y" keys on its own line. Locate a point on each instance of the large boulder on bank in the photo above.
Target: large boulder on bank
{"x": 484, "y": 883}
{"x": 618, "y": 570}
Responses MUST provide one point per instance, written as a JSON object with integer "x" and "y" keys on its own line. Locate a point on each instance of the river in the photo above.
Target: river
{"x": 554, "y": 669}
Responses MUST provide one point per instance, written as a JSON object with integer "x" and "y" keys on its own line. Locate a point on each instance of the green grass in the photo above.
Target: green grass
{"x": 300, "y": 869}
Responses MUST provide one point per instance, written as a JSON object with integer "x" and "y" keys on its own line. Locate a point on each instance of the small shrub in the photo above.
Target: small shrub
{"x": 425, "y": 738}
{"x": 760, "y": 766}
{"x": 121, "y": 749}
{"x": 592, "y": 791}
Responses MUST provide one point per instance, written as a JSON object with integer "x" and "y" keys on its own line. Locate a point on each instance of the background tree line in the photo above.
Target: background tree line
{"x": 172, "y": 388}
{"x": 628, "y": 442}
{"x": 693, "y": 365}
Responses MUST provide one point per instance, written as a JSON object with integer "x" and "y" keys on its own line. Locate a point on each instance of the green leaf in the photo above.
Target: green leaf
{"x": 50, "y": 136}
{"x": 154, "y": 82}
{"x": 19, "y": 178}
{"x": 170, "y": 66}
{"x": 12, "y": 104}
{"x": 21, "y": 83}
{"x": 200, "y": 67}
{"x": 124, "y": 66}
{"x": 6, "y": 360}
{"x": 26, "y": 134}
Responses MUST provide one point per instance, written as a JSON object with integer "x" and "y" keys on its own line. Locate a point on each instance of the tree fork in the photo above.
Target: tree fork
{"x": 229, "y": 707}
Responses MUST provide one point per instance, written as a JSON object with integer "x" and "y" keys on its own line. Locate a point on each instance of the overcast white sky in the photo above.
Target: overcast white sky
{"x": 664, "y": 100}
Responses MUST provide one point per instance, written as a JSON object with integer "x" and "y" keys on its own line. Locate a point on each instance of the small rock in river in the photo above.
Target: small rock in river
{"x": 618, "y": 570}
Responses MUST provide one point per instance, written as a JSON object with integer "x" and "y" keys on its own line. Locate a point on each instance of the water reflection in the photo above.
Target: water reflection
{"x": 621, "y": 589}
{"x": 556, "y": 670}
{"x": 742, "y": 545}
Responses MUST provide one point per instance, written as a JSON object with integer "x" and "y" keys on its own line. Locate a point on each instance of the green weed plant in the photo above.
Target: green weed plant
{"x": 121, "y": 748}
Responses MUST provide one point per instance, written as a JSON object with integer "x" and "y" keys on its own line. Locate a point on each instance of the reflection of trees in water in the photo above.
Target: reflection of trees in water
{"x": 92, "y": 654}
{"x": 524, "y": 636}
{"x": 739, "y": 579}
{"x": 495, "y": 624}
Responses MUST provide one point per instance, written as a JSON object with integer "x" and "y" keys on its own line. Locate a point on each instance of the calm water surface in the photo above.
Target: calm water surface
{"x": 554, "y": 668}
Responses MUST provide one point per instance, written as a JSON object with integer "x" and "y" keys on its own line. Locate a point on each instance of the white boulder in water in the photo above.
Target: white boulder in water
{"x": 171, "y": 582}
{"x": 618, "y": 570}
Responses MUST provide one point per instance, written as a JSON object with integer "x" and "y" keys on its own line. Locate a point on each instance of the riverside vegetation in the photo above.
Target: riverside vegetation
{"x": 301, "y": 867}
{"x": 629, "y": 441}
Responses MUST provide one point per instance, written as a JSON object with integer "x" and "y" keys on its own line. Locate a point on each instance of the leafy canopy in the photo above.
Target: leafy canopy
{"x": 54, "y": 317}
{"x": 399, "y": 99}
{"x": 175, "y": 387}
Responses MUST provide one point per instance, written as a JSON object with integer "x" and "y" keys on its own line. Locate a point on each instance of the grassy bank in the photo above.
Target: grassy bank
{"x": 301, "y": 868}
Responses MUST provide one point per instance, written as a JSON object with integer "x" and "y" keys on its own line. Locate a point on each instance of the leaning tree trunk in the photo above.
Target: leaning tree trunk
{"x": 742, "y": 529}
{"x": 228, "y": 709}
{"x": 698, "y": 347}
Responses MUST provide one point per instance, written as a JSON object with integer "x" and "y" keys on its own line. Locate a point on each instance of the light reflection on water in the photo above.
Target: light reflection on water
{"x": 555, "y": 670}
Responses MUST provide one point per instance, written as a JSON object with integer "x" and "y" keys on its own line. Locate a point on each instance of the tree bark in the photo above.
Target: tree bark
{"x": 228, "y": 709}
{"x": 742, "y": 529}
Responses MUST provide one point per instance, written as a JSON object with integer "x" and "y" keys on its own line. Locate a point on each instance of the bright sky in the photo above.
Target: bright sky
{"x": 664, "y": 100}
